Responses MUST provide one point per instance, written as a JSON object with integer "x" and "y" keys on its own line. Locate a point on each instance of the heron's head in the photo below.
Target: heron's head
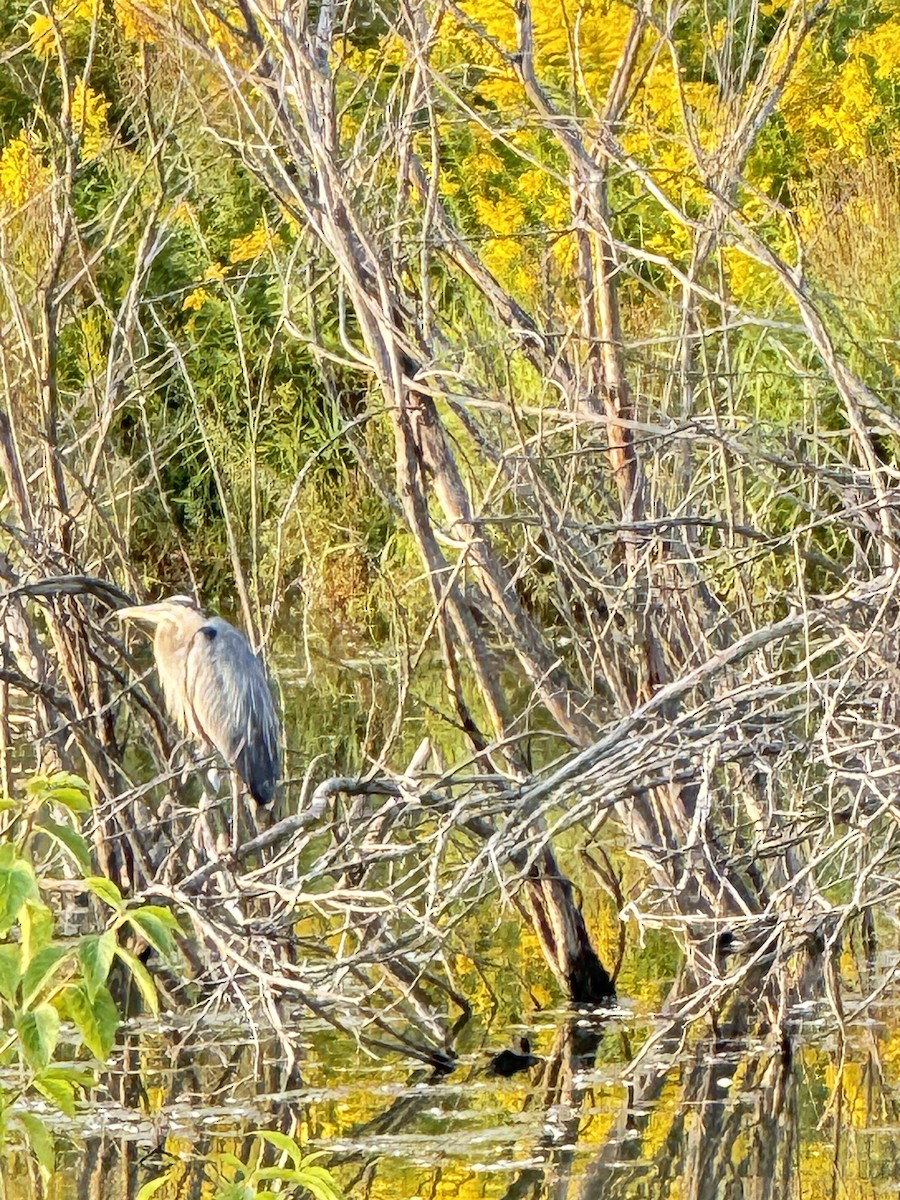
{"x": 177, "y": 611}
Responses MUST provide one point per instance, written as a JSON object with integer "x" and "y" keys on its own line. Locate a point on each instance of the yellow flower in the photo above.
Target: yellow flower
{"x": 23, "y": 172}
{"x": 225, "y": 33}
{"x": 215, "y": 271}
{"x": 245, "y": 249}
{"x": 195, "y": 300}
{"x": 531, "y": 183}
{"x": 504, "y": 215}
{"x": 137, "y": 20}
{"x": 882, "y": 45}
{"x": 500, "y": 255}
{"x": 182, "y": 214}
{"x": 41, "y": 35}
{"x": 89, "y": 109}
{"x": 66, "y": 17}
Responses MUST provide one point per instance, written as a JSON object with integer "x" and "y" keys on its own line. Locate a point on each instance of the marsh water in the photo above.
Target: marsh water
{"x": 700, "y": 1116}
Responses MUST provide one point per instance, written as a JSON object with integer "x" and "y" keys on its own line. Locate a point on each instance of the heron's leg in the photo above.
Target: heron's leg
{"x": 235, "y": 810}
{"x": 203, "y": 838}
{"x": 207, "y": 846}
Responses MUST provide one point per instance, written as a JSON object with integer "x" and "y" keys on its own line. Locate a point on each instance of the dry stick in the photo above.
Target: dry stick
{"x": 11, "y": 465}
{"x": 70, "y": 585}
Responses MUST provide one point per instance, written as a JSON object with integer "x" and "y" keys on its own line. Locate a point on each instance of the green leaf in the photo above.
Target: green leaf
{"x": 69, "y": 839}
{"x": 152, "y": 1186}
{"x": 149, "y": 926}
{"x": 281, "y": 1142}
{"x": 96, "y": 955}
{"x": 106, "y": 890}
{"x": 60, "y": 1093}
{"x": 318, "y": 1181}
{"x": 40, "y": 1139}
{"x": 38, "y": 1035}
{"x": 37, "y": 929}
{"x": 41, "y": 970}
{"x": 10, "y": 972}
{"x": 79, "y": 1077}
{"x": 17, "y": 884}
{"x": 72, "y": 798}
{"x": 96, "y": 1019}
{"x": 165, "y": 915}
{"x": 61, "y": 788}
{"x": 40, "y": 783}
{"x": 142, "y": 978}
{"x": 225, "y": 1161}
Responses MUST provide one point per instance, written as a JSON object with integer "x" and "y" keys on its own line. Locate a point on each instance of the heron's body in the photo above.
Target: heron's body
{"x": 216, "y": 689}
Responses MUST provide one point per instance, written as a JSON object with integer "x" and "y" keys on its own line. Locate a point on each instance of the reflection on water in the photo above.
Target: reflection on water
{"x": 704, "y": 1114}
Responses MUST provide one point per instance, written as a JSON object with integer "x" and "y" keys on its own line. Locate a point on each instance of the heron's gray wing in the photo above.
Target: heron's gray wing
{"x": 232, "y": 706}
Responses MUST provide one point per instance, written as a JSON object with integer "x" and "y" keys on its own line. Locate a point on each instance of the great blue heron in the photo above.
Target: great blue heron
{"x": 216, "y": 690}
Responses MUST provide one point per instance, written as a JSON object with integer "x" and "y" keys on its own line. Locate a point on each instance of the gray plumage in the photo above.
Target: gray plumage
{"x": 215, "y": 689}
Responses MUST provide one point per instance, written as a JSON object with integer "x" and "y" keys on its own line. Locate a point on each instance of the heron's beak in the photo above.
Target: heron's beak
{"x": 151, "y": 613}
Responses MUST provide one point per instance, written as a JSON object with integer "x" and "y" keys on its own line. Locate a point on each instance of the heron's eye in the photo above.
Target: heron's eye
{"x": 209, "y": 632}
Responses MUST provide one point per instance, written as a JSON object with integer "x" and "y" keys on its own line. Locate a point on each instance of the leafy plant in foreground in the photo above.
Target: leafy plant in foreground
{"x": 46, "y": 979}
{"x": 296, "y": 1175}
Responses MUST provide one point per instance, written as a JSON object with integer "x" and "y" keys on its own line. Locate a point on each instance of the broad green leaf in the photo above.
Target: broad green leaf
{"x": 225, "y": 1161}
{"x": 38, "y": 1035}
{"x": 72, "y": 798}
{"x": 60, "y": 1092}
{"x": 40, "y": 783}
{"x": 69, "y": 779}
{"x": 106, "y": 890}
{"x": 45, "y": 965}
{"x": 142, "y": 978}
{"x": 17, "y": 884}
{"x": 319, "y": 1182}
{"x": 96, "y": 954}
{"x": 37, "y": 929}
{"x": 61, "y": 788}
{"x": 165, "y": 915}
{"x": 79, "y": 1077}
{"x": 152, "y": 1186}
{"x": 96, "y": 1019}
{"x": 281, "y": 1142}
{"x": 10, "y": 972}
{"x": 70, "y": 840}
{"x": 40, "y": 1139}
{"x": 149, "y": 926}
